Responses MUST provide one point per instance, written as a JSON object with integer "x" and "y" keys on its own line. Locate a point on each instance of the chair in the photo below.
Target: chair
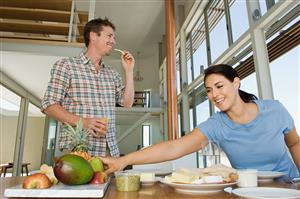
{"x": 10, "y": 165}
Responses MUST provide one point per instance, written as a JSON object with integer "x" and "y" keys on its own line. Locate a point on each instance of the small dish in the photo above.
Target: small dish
{"x": 266, "y": 192}
{"x": 268, "y": 176}
{"x": 149, "y": 183}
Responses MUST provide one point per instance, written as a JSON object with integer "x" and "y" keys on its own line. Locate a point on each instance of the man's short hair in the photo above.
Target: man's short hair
{"x": 95, "y": 25}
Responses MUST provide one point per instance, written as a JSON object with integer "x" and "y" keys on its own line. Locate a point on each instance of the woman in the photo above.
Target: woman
{"x": 253, "y": 133}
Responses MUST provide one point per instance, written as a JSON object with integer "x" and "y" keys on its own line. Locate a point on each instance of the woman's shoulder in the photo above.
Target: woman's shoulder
{"x": 216, "y": 117}
{"x": 268, "y": 104}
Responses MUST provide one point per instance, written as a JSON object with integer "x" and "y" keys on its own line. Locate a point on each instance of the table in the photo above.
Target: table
{"x": 4, "y": 167}
{"x": 157, "y": 191}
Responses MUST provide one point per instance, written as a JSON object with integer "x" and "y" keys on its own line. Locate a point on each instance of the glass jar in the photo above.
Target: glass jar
{"x": 127, "y": 181}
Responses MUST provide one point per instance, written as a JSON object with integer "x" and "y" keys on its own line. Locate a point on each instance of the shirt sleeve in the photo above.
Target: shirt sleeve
{"x": 120, "y": 88}
{"x": 58, "y": 84}
{"x": 208, "y": 128}
{"x": 286, "y": 118}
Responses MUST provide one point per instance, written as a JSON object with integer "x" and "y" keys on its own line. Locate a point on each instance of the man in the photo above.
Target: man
{"x": 85, "y": 87}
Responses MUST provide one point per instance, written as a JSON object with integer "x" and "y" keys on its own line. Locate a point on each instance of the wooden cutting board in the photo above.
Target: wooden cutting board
{"x": 60, "y": 191}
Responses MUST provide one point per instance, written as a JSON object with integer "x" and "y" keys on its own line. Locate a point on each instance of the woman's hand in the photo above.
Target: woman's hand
{"x": 113, "y": 164}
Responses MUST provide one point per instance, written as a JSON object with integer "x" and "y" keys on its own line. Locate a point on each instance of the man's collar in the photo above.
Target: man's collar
{"x": 85, "y": 59}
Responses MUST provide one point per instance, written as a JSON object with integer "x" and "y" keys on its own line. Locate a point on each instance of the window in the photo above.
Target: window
{"x": 50, "y": 150}
{"x": 178, "y": 81}
{"x": 191, "y": 119}
{"x": 179, "y": 125}
{"x": 189, "y": 71}
{"x": 249, "y": 84}
{"x": 146, "y": 135}
{"x": 180, "y": 119}
{"x": 282, "y": 69}
{"x": 263, "y": 7}
{"x": 202, "y": 111}
{"x": 218, "y": 31}
{"x": 9, "y": 112}
{"x": 239, "y": 19}
{"x": 34, "y": 134}
{"x": 199, "y": 47}
{"x": 200, "y": 59}
{"x": 178, "y": 72}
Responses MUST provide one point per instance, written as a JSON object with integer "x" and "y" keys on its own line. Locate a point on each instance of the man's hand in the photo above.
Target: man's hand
{"x": 96, "y": 126}
{"x": 127, "y": 61}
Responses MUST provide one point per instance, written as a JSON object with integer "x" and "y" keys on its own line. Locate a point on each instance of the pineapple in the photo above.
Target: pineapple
{"x": 79, "y": 137}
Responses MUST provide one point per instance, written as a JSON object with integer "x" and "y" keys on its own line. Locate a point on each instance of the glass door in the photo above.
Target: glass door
{"x": 51, "y": 142}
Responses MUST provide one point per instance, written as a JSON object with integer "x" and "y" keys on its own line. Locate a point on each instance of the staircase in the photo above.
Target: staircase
{"x": 141, "y": 99}
{"x": 52, "y": 20}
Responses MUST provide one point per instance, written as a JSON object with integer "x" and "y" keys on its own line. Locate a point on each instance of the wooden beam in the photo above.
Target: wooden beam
{"x": 33, "y": 27}
{"x": 171, "y": 70}
{"x": 40, "y": 4}
{"x": 33, "y": 37}
{"x": 35, "y": 14}
{"x": 83, "y": 16}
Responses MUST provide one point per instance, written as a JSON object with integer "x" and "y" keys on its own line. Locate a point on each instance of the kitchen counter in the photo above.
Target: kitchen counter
{"x": 157, "y": 191}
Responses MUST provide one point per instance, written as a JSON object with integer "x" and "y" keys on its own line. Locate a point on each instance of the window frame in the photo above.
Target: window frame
{"x": 146, "y": 125}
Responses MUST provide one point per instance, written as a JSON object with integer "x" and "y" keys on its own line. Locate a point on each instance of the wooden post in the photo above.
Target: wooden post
{"x": 171, "y": 71}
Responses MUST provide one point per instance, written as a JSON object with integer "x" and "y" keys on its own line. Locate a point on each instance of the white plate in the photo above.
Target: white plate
{"x": 268, "y": 176}
{"x": 199, "y": 189}
{"x": 267, "y": 192}
{"x": 148, "y": 183}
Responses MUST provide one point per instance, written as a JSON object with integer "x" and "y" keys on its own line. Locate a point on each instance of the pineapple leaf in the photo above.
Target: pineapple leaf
{"x": 69, "y": 128}
{"x": 79, "y": 137}
{"x": 79, "y": 126}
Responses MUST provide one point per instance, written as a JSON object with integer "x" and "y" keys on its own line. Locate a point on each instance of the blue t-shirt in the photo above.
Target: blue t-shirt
{"x": 258, "y": 144}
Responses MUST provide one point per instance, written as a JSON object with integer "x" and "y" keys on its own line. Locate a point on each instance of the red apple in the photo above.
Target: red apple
{"x": 37, "y": 181}
{"x": 99, "y": 178}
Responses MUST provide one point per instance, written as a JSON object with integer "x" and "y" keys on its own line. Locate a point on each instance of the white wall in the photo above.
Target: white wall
{"x": 149, "y": 70}
{"x": 8, "y": 133}
{"x": 129, "y": 144}
{"x": 33, "y": 140}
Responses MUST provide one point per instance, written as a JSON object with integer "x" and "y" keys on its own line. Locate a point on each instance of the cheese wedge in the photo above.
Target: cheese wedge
{"x": 181, "y": 177}
{"x": 147, "y": 177}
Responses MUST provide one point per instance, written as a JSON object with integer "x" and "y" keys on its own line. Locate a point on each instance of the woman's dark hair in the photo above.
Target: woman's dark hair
{"x": 95, "y": 25}
{"x": 229, "y": 73}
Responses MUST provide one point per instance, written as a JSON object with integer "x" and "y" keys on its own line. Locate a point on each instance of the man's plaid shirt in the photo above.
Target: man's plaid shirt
{"x": 75, "y": 85}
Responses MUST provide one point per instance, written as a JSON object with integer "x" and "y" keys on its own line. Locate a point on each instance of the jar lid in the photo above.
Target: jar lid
{"x": 127, "y": 173}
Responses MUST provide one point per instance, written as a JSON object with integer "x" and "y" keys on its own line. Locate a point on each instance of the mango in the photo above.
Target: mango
{"x": 72, "y": 169}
